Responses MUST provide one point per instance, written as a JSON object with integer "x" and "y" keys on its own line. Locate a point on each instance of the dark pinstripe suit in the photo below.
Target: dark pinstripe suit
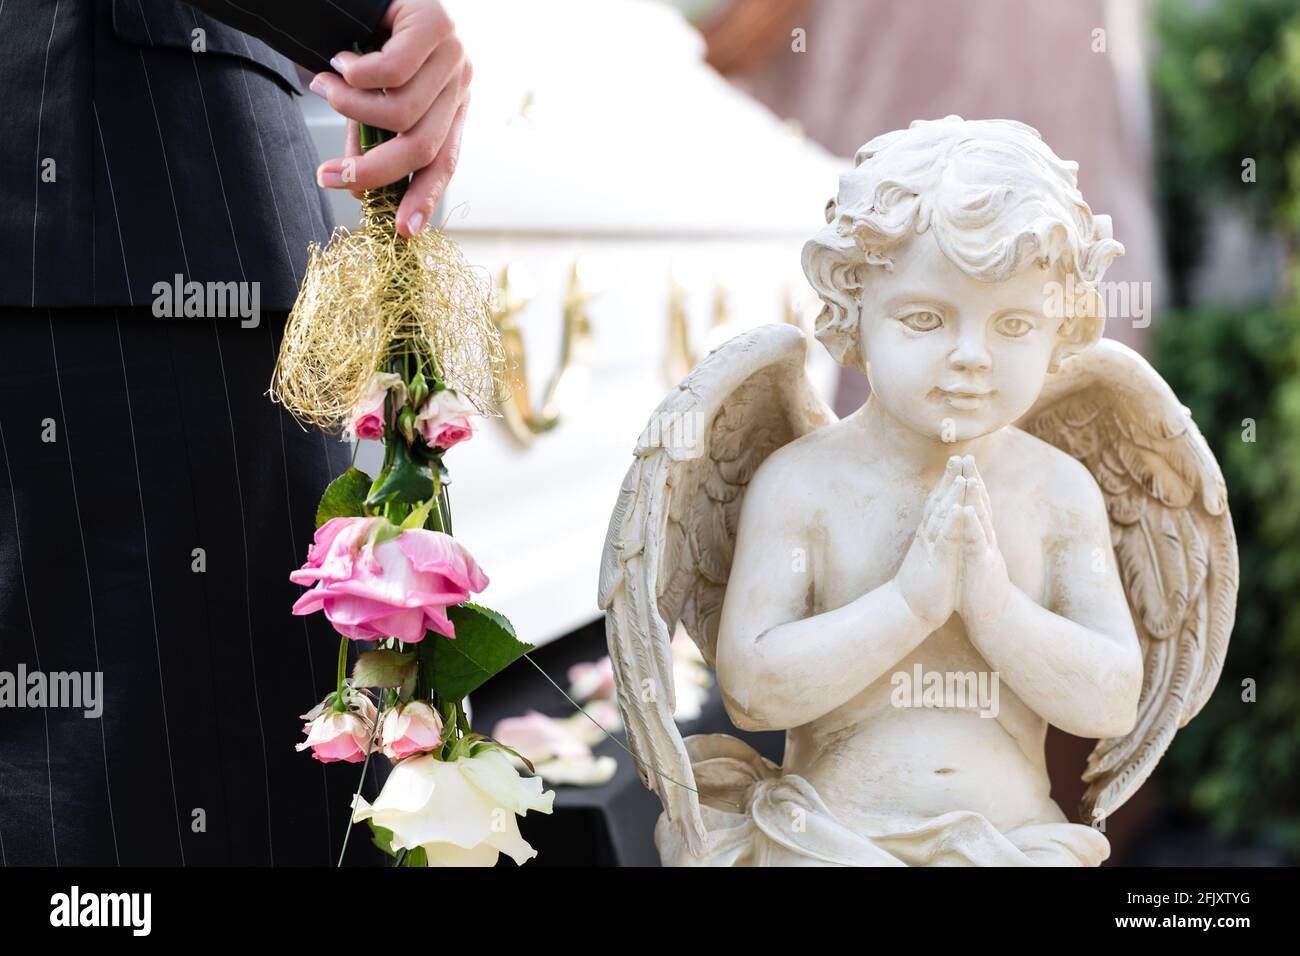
{"x": 165, "y": 160}
{"x": 131, "y": 446}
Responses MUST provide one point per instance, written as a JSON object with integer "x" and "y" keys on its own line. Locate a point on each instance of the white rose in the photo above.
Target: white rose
{"x": 461, "y": 811}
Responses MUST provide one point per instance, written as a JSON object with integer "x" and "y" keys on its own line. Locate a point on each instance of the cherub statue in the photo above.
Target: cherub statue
{"x": 1018, "y": 501}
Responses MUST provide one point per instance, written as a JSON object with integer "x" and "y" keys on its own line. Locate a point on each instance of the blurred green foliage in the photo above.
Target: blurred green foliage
{"x": 1238, "y": 764}
{"x": 1227, "y": 84}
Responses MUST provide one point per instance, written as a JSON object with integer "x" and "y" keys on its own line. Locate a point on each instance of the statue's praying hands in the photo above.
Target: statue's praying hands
{"x": 930, "y": 578}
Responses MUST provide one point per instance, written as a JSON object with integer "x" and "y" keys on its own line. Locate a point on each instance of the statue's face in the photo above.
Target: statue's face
{"x": 951, "y": 356}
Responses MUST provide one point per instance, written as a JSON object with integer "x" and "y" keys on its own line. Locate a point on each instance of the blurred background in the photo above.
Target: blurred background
{"x": 637, "y": 179}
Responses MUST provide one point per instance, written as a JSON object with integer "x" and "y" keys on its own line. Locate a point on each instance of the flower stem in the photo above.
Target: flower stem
{"x": 462, "y": 722}
{"x": 444, "y": 507}
{"x": 371, "y": 136}
{"x": 339, "y": 704}
{"x": 374, "y": 734}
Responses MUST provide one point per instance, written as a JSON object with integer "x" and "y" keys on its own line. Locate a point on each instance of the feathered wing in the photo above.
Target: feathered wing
{"x": 1173, "y": 540}
{"x": 671, "y": 537}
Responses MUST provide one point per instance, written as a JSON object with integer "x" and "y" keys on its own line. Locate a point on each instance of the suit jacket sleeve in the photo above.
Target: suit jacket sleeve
{"x": 308, "y": 32}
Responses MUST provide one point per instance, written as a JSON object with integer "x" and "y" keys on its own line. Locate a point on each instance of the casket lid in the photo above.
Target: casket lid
{"x": 601, "y": 117}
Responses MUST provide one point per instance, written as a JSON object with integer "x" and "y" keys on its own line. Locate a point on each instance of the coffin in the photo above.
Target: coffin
{"x": 634, "y": 200}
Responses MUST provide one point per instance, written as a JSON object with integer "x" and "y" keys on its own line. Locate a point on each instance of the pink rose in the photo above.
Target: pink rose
{"x": 334, "y": 736}
{"x": 539, "y": 738}
{"x": 375, "y": 581}
{"x": 444, "y": 419}
{"x": 368, "y": 413}
{"x": 592, "y": 679}
{"x": 413, "y": 728}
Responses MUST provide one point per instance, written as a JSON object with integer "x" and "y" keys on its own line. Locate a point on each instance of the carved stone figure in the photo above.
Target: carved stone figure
{"x": 1021, "y": 526}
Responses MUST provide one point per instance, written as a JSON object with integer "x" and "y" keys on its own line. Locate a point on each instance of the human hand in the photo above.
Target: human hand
{"x": 985, "y": 584}
{"x": 417, "y": 86}
{"x": 929, "y": 577}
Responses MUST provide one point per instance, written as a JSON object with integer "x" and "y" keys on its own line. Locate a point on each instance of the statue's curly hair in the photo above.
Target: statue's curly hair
{"x": 994, "y": 196}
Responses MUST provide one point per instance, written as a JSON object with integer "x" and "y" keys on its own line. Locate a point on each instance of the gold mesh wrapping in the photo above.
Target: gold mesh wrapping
{"x": 371, "y": 293}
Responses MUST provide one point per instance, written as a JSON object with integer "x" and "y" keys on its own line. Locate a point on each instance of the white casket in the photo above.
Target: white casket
{"x": 641, "y": 209}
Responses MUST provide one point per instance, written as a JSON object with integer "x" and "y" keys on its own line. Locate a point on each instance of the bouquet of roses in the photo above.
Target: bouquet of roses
{"x": 392, "y": 340}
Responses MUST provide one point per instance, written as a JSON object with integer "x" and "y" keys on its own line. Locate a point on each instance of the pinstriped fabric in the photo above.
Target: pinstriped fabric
{"x": 151, "y": 160}
{"x": 185, "y": 132}
{"x": 14, "y": 547}
{"x": 112, "y": 201}
{"x": 85, "y": 562}
{"x": 39, "y": 166}
{"x": 163, "y": 452}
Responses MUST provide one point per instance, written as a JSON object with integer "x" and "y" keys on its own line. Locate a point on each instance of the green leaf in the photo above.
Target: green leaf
{"x": 404, "y": 480}
{"x": 417, "y": 517}
{"x": 343, "y": 496}
{"x": 415, "y": 857}
{"x": 485, "y": 645}
{"x": 381, "y": 837}
{"x": 383, "y": 668}
{"x": 510, "y": 750}
{"x": 407, "y": 689}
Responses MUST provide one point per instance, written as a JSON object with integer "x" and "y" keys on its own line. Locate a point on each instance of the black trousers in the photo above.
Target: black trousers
{"x": 152, "y": 503}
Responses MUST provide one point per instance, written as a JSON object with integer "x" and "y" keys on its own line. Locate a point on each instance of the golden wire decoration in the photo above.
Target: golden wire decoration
{"x": 370, "y": 294}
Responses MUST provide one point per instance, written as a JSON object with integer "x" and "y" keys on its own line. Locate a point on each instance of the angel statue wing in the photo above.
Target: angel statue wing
{"x": 1173, "y": 539}
{"x": 672, "y": 534}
